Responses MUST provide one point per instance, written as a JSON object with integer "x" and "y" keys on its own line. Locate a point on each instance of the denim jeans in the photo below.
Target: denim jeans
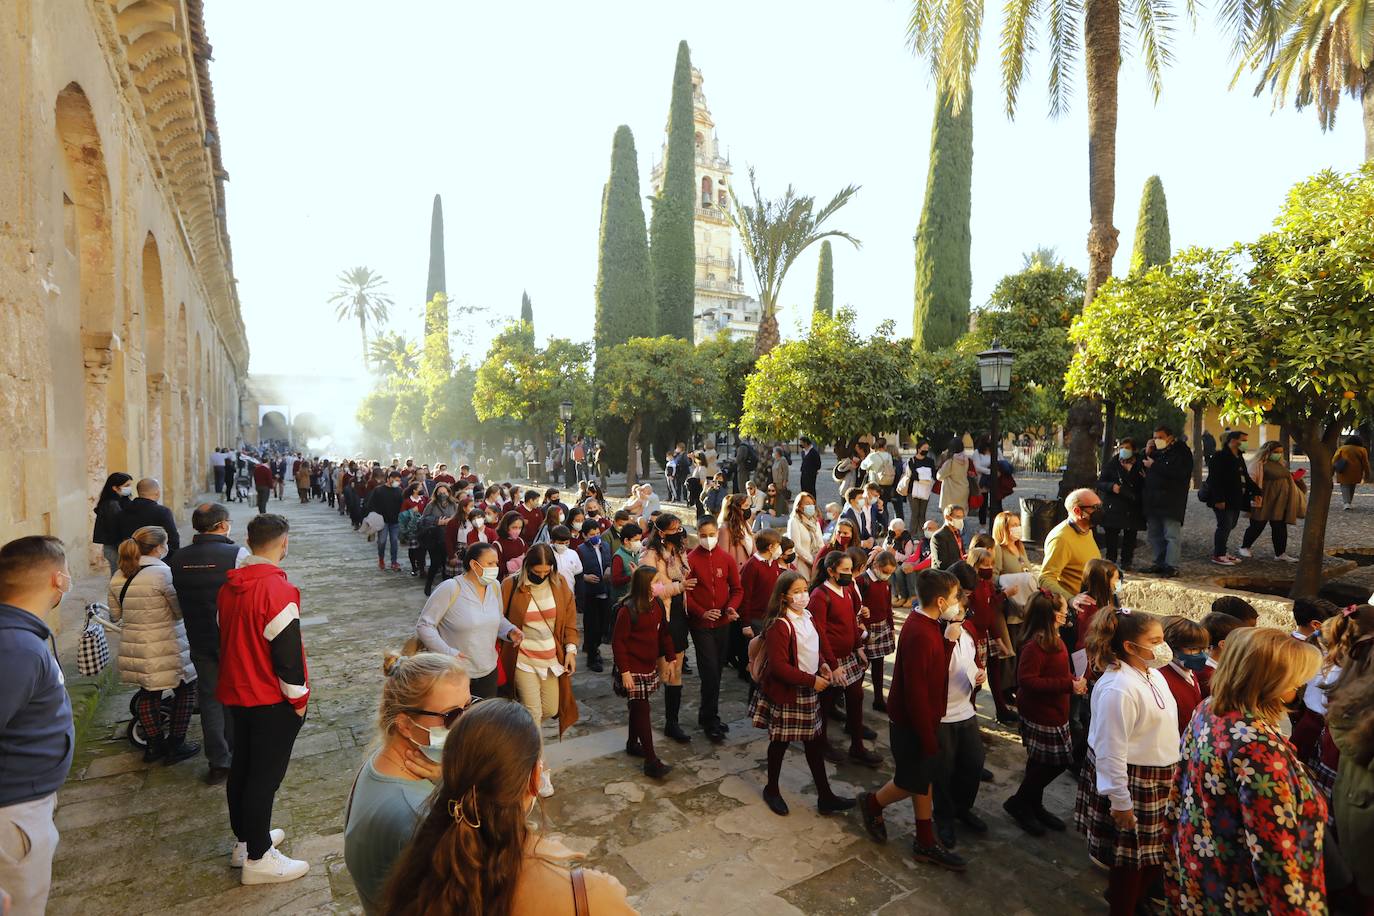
{"x": 1163, "y": 534}
{"x": 904, "y": 584}
{"x": 1347, "y": 495}
{"x": 1226, "y": 523}
{"x": 389, "y": 533}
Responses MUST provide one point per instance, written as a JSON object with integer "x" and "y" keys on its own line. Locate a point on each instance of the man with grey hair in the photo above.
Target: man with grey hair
{"x": 144, "y": 510}
{"x": 1070, "y": 544}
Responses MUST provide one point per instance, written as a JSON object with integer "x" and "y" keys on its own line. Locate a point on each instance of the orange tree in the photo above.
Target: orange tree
{"x": 644, "y": 379}
{"x": 1280, "y": 330}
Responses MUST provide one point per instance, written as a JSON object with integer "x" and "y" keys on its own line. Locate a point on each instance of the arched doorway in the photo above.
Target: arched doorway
{"x": 155, "y": 359}
{"x": 275, "y": 428}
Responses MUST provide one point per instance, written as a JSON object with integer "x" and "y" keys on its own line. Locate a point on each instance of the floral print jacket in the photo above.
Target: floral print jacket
{"x": 1245, "y": 822}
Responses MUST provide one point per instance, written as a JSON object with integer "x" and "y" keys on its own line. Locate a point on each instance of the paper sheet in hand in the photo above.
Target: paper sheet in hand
{"x": 1079, "y": 660}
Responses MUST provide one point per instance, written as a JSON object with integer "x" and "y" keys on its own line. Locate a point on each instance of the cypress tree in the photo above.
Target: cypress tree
{"x": 436, "y": 284}
{"x": 526, "y": 308}
{"x": 436, "y": 357}
{"x": 673, "y": 254}
{"x": 825, "y": 282}
{"x": 1152, "y": 244}
{"x": 944, "y": 277}
{"x": 624, "y": 284}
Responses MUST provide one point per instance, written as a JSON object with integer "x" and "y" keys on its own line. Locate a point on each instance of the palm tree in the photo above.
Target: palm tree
{"x": 360, "y": 296}
{"x": 773, "y": 233}
{"x": 1313, "y": 50}
{"x": 393, "y": 354}
{"x": 947, "y": 32}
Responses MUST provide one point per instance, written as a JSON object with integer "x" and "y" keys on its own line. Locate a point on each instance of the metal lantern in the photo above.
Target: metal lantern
{"x": 565, "y": 411}
{"x": 994, "y": 369}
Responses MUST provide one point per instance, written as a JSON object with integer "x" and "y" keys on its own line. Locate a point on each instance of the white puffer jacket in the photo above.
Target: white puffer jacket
{"x": 153, "y": 652}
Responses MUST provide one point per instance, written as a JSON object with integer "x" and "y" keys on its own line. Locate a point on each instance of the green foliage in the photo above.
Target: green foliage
{"x": 449, "y": 414}
{"x": 436, "y": 283}
{"x": 945, "y": 395}
{"x": 722, "y": 370}
{"x": 1152, "y": 244}
{"x": 647, "y": 377}
{"x": 392, "y": 355}
{"x": 374, "y": 416}
{"x": 407, "y": 420}
{"x": 809, "y": 387}
{"x": 774, "y": 232}
{"x": 624, "y": 285}
{"x": 437, "y": 361}
{"x": 673, "y": 252}
{"x": 825, "y": 282}
{"x": 522, "y": 382}
{"x": 944, "y": 275}
{"x": 526, "y": 309}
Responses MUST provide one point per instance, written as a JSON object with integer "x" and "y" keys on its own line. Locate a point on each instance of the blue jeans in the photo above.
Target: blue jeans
{"x": 1163, "y": 534}
{"x": 904, "y": 584}
{"x": 390, "y": 533}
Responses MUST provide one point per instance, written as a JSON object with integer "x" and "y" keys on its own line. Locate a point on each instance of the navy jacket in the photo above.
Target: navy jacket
{"x": 198, "y": 571}
{"x": 140, "y": 513}
{"x": 1167, "y": 482}
{"x": 597, "y": 561}
{"x": 810, "y": 467}
{"x": 36, "y": 732}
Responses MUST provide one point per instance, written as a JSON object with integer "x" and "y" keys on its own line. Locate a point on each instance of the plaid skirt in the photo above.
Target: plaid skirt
{"x": 1321, "y": 765}
{"x": 881, "y": 641}
{"x": 850, "y": 671}
{"x": 1050, "y": 744}
{"x": 799, "y": 720}
{"x": 1092, "y": 815}
{"x": 642, "y": 686}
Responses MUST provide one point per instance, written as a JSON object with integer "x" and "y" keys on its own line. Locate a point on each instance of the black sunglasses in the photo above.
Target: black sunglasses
{"x": 449, "y": 717}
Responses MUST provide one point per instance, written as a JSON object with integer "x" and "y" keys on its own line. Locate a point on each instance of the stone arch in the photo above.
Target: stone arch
{"x": 86, "y": 219}
{"x": 706, "y": 190}
{"x": 274, "y": 426}
{"x": 155, "y": 361}
{"x": 181, "y": 387}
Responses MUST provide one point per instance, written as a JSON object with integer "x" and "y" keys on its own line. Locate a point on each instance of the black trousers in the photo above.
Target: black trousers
{"x": 958, "y": 768}
{"x": 264, "y": 493}
{"x": 595, "y": 612}
{"x": 263, "y": 738}
{"x": 711, "y": 646}
{"x": 1278, "y": 530}
{"x": 1124, "y": 538}
{"x": 484, "y": 686}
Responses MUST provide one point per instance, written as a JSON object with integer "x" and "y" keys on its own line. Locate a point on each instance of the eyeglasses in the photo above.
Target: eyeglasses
{"x": 448, "y": 717}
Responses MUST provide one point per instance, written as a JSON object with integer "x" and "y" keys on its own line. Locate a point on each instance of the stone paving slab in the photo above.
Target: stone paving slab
{"x": 155, "y": 840}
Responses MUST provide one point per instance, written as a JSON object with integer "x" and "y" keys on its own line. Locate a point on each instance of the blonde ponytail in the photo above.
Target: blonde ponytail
{"x": 143, "y": 542}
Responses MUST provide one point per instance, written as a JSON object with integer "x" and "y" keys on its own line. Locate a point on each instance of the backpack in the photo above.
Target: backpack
{"x": 1340, "y": 464}
{"x": 758, "y": 658}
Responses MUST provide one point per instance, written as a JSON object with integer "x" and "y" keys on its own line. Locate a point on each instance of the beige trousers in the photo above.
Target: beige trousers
{"x": 538, "y": 695}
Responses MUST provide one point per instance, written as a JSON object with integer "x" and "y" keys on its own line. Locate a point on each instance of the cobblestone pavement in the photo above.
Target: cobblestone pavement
{"x": 154, "y": 840}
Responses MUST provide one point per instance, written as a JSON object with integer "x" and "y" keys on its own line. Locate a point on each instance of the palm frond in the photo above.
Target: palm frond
{"x": 958, "y": 53}
{"x": 1152, "y": 23}
{"x": 1018, "y": 43}
{"x": 1064, "y": 19}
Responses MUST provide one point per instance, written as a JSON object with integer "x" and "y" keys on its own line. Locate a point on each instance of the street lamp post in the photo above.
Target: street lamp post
{"x": 565, "y": 412}
{"x": 696, "y": 422}
{"x": 994, "y": 374}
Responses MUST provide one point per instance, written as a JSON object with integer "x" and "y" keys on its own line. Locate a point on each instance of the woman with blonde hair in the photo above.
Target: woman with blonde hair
{"x": 804, "y": 528}
{"x": 1245, "y": 823}
{"x": 733, "y": 528}
{"x": 153, "y": 651}
{"x": 540, "y": 666}
{"x": 1282, "y": 501}
{"x": 1014, "y": 571}
{"x": 474, "y": 854}
{"x": 423, "y": 696}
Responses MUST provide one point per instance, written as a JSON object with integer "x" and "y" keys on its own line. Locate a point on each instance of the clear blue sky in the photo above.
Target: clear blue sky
{"x": 340, "y": 121}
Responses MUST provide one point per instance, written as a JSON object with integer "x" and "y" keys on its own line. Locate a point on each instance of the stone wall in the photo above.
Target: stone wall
{"x": 124, "y": 348}
{"x": 1169, "y": 596}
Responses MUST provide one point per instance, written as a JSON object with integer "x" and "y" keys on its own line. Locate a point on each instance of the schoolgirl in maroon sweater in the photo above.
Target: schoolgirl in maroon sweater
{"x": 836, "y": 606}
{"x": 639, "y": 640}
{"x": 757, "y": 577}
{"x": 875, "y": 587}
{"x": 1047, "y": 683}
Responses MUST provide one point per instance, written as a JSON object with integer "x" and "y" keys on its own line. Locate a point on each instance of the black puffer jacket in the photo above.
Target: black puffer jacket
{"x": 106, "y": 530}
{"x": 1124, "y": 510}
{"x": 1167, "y": 482}
{"x": 1228, "y": 481}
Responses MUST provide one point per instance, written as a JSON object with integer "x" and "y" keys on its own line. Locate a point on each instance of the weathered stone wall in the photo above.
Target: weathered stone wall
{"x": 1167, "y": 596}
{"x": 124, "y": 349}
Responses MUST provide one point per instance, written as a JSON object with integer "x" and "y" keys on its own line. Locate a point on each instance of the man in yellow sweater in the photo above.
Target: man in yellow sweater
{"x": 1070, "y": 545}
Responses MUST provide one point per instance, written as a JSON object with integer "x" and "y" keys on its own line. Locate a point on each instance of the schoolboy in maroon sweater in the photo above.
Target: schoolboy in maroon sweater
{"x": 915, "y": 703}
{"x": 711, "y": 607}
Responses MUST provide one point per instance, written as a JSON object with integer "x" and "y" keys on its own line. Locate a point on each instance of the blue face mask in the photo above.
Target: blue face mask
{"x": 594, "y": 540}
{"x": 1193, "y": 661}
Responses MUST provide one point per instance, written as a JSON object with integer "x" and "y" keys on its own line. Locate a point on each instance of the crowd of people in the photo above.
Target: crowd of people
{"x": 1219, "y": 765}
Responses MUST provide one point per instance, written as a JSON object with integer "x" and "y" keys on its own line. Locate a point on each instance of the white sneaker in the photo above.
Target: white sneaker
{"x": 1347, "y": 507}
{"x": 273, "y": 868}
{"x": 1285, "y": 558}
{"x": 1244, "y": 552}
{"x": 545, "y": 785}
{"x": 240, "y": 853}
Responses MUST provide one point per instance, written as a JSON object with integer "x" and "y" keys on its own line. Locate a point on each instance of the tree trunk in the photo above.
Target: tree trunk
{"x": 362, "y": 332}
{"x": 1320, "y": 445}
{"x": 1102, "y": 58}
{"x": 1368, "y": 102}
{"x": 1108, "y": 431}
{"x": 1197, "y": 445}
{"x": 768, "y": 336}
{"x": 632, "y": 443}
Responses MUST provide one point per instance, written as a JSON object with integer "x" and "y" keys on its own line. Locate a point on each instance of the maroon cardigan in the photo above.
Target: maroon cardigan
{"x": 637, "y": 642}
{"x": 837, "y": 618}
{"x": 1046, "y": 681}
{"x": 877, "y": 596}
{"x": 781, "y": 675}
{"x": 919, "y": 692}
{"x": 756, "y": 581}
{"x": 717, "y": 587}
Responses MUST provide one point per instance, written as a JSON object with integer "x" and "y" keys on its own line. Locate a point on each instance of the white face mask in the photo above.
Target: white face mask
{"x": 126, "y": 491}
{"x": 809, "y": 511}
{"x": 489, "y": 574}
{"x": 560, "y": 548}
{"x": 1161, "y": 656}
{"x": 634, "y": 546}
{"x": 1161, "y": 444}
{"x": 434, "y": 750}
{"x": 952, "y": 612}
{"x": 709, "y": 542}
{"x": 799, "y": 600}
{"x": 956, "y": 523}
{"x": 882, "y": 576}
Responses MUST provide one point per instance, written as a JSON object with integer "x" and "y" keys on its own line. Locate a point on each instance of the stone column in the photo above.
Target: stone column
{"x": 98, "y": 361}
{"x": 157, "y": 384}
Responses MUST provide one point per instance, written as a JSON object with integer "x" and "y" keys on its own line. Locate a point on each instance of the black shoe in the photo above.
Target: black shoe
{"x": 1024, "y": 819}
{"x": 834, "y": 804}
{"x": 183, "y": 750}
{"x": 713, "y": 733}
{"x": 674, "y": 731}
{"x": 634, "y": 748}
{"x": 1153, "y": 569}
{"x": 880, "y": 706}
{"x": 873, "y": 817}
{"x": 594, "y": 664}
{"x": 656, "y": 769}
{"x": 973, "y": 822}
{"x": 865, "y": 756}
{"x": 686, "y": 665}
{"x": 869, "y": 734}
{"x": 155, "y": 751}
{"x": 938, "y": 855}
{"x": 723, "y": 726}
{"x": 1049, "y": 820}
{"x": 945, "y": 832}
{"x": 217, "y": 776}
{"x": 1170, "y": 572}
{"x": 1009, "y": 717}
{"x": 986, "y": 775}
{"x": 832, "y": 753}
{"x": 775, "y": 803}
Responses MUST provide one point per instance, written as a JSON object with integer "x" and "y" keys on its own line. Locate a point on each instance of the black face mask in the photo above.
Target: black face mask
{"x": 535, "y": 578}
{"x": 789, "y": 557}
{"x": 677, "y": 538}
{"x": 843, "y": 579}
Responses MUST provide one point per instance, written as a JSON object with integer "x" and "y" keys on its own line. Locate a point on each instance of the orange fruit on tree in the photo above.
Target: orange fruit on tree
{"x": 1348, "y": 395}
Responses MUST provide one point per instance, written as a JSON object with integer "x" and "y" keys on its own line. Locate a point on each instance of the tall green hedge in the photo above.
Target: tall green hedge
{"x": 1152, "y": 244}
{"x": 624, "y": 283}
{"x": 825, "y": 282}
{"x": 944, "y": 277}
{"x": 673, "y": 250}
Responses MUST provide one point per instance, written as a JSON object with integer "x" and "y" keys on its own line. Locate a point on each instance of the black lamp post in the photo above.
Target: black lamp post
{"x": 994, "y": 374}
{"x": 696, "y": 422}
{"x": 565, "y": 410}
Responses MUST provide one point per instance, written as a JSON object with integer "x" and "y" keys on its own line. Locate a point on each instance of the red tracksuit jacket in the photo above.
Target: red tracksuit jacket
{"x": 261, "y": 658}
